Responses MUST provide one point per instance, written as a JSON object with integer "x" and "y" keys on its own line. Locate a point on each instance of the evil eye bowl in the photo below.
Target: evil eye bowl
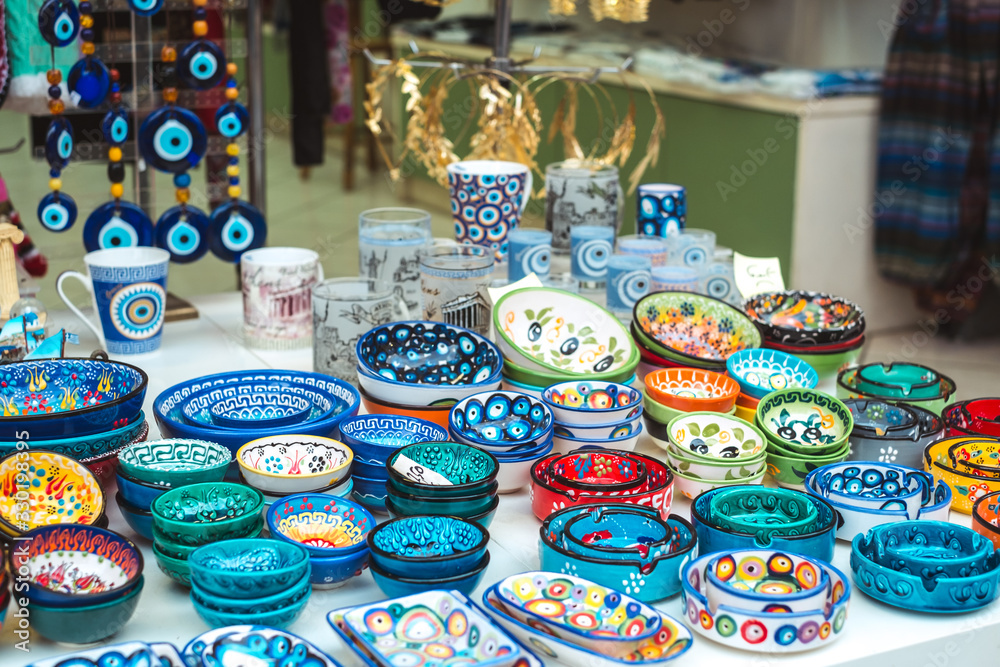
{"x": 266, "y": 410}
{"x": 294, "y": 463}
{"x": 588, "y": 404}
{"x": 248, "y": 568}
{"x": 324, "y": 525}
{"x": 416, "y": 469}
{"x": 620, "y": 431}
{"x": 383, "y": 389}
{"x": 175, "y": 462}
{"x": 431, "y": 546}
{"x": 872, "y": 485}
{"x": 759, "y": 371}
{"x": 804, "y": 421}
{"x": 766, "y": 580}
{"x": 500, "y": 419}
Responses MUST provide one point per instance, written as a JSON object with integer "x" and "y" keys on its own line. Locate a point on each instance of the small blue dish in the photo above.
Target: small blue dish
{"x": 484, "y": 518}
{"x": 470, "y": 470}
{"x": 260, "y": 411}
{"x": 335, "y": 571}
{"x": 137, "y": 493}
{"x": 84, "y": 625}
{"x": 248, "y": 568}
{"x": 370, "y": 492}
{"x": 501, "y": 419}
{"x": 278, "y": 618}
{"x": 760, "y": 371}
{"x": 324, "y": 525}
{"x": 373, "y": 438}
{"x": 395, "y": 586}
{"x": 430, "y": 546}
{"x": 247, "y": 606}
{"x": 138, "y": 519}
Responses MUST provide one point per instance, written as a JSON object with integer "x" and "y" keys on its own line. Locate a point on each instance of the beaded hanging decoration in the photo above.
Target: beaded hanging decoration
{"x": 89, "y": 80}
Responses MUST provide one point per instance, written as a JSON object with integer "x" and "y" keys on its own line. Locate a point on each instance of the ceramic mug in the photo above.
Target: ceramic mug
{"x": 662, "y": 209}
{"x": 487, "y": 201}
{"x": 344, "y": 309}
{"x": 591, "y": 247}
{"x": 129, "y": 291}
{"x": 389, "y": 242}
{"x": 454, "y": 281}
{"x": 579, "y": 192}
{"x": 277, "y": 296}
{"x": 530, "y": 252}
{"x": 628, "y": 281}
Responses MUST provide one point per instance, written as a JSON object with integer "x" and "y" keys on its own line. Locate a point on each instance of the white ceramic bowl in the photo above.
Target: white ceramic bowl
{"x": 592, "y": 403}
{"x": 738, "y": 469}
{"x": 620, "y": 431}
{"x": 691, "y": 488}
{"x": 418, "y": 395}
{"x": 516, "y": 475}
{"x": 565, "y": 445}
{"x": 286, "y": 464}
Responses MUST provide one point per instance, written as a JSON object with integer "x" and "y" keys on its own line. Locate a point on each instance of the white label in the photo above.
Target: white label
{"x": 415, "y": 472}
{"x": 757, "y": 274}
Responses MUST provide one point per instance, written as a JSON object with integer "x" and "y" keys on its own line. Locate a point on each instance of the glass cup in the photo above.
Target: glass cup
{"x": 674, "y": 279}
{"x": 578, "y": 193}
{"x": 590, "y": 249}
{"x": 277, "y": 296}
{"x": 454, "y": 282}
{"x": 692, "y": 247}
{"x": 530, "y": 252}
{"x": 389, "y": 242}
{"x": 661, "y": 209}
{"x": 628, "y": 281}
{"x": 718, "y": 278}
{"x": 653, "y": 248}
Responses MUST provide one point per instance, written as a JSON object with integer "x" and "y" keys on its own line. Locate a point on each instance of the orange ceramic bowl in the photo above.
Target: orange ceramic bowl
{"x": 435, "y": 414}
{"x": 986, "y": 517}
{"x": 748, "y": 402}
{"x": 692, "y": 390}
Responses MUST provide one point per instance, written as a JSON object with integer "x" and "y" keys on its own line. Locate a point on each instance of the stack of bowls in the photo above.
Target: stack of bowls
{"x": 805, "y": 429}
{"x": 549, "y": 336}
{"x": 929, "y": 566}
{"x": 756, "y": 517}
{"x": 594, "y": 414}
{"x": 682, "y": 329}
{"x": 980, "y": 416}
{"x": 285, "y": 464}
{"x": 760, "y": 371}
{"x": 968, "y": 464}
{"x": 615, "y": 543}
{"x": 933, "y": 398}
{"x": 986, "y": 517}
{"x": 672, "y": 392}
{"x": 373, "y": 439}
{"x": 147, "y": 470}
{"x": 766, "y": 600}
{"x": 597, "y": 476}
{"x": 197, "y": 514}
{"x": 707, "y": 450}
{"x": 333, "y": 530}
{"x": 419, "y": 553}
{"x": 446, "y": 478}
{"x": 420, "y": 369}
{"x": 250, "y": 581}
{"x": 512, "y": 426}
{"x": 826, "y": 332}
{"x": 891, "y": 432}
{"x": 81, "y": 583}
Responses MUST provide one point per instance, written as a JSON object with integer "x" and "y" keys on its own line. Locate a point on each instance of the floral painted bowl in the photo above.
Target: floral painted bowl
{"x": 442, "y": 469}
{"x": 324, "y": 525}
{"x": 432, "y": 546}
{"x": 759, "y": 372}
{"x": 500, "y": 419}
{"x": 690, "y": 390}
{"x": 267, "y": 410}
{"x": 59, "y": 489}
{"x": 586, "y": 403}
{"x": 980, "y": 457}
{"x": 555, "y": 331}
{"x": 654, "y": 358}
{"x": 805, "y": 318}
{"x": 711, "y": 436}
{"x": 686, "y": 326}
{"x": 597, "y": 471}
{"x": 294, "y": 463}
{"x": 898, "y": 380}
{"x": 847, "y": 387}
{"x": 59, "y": 398}
{"x": 966, "y": 487}
{"x": 175, "y": 462}
{"x": 805, "y": 421}
{"x": 203, "y": 513}
{"x": 986, "y": 517}
{"x": 87, "y": 446}
{"x": 248, "y": 568}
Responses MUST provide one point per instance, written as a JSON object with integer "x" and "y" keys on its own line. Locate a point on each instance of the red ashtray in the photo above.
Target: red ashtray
{"x": 596, "y": 472}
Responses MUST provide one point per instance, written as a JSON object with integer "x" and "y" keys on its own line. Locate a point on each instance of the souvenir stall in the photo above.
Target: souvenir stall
{"x": 516, "y": 446}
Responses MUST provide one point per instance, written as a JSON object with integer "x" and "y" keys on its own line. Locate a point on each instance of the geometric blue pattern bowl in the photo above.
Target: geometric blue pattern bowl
{"x": 82, "y": 447}
{"x": 266, "y": 410}
{"x": 373, "y": 438}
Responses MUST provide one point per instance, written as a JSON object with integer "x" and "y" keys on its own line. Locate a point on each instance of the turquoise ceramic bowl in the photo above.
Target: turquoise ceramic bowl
{"x": 175, "y": 462}
{"x": 899, "y": 380}
{"x": 484, "y": 518}
{"x": 469, "y": 505}
{"x": 847, "y": 387}
{"x": 203, "y": 513}
{"x": 299, "y": 589}
{"x": 395, "y": 586}
{"x": 84, "y": 625}
{"x": 279, "y": 618}
{"x": 248, "y": 568}
{"x": 469, "y": 469}
{"x": 138, "y": 519}
{"x": 430, "y": 546}
{"x": 86, "y": 446}
{"x": 175, "y": 568}
{"x": 759, "y": 372}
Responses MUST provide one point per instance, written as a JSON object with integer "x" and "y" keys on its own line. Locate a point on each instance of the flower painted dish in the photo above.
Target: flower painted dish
{"x": 555, "y": 331}
{"x": 599, "y": 471}
{"x": 586, "y": 403}
{"x": 712, "y": 436}
{"x": 690, "y": 390}
{"x": 502, "y": 418}
{"x": 294, "y": 463}
{"x": 266, "y": 410}
{"x": 324, "y": 525}
{"x": 60, "y": 490}
{"x": 760, "y": 371}
{"x": 803, "y": 318}
{"x": 175, "y": 462}
{"x": 804, "y": 420}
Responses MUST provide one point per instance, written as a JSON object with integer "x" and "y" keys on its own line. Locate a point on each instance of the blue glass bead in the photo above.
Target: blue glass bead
{"x": 115, "y": 126}
{"x": 117, "y": 225}
{"x": 59, "y": 22}
{"x": 55, "y": 92}
{"x": 87, "y": 34}
{"x": 182, "y": 231}
{"x": 231, "y": 83}
{"x": 85, "y": 7}
{"x": 59, "y": 142}
{"x": 115, "y": 88}
{"x": 145, "y": 7}
{"x": 172, "y": 139}
{"x": 54, "y": 173}
{"x": 201, "y": 65}
{"x": 232, "y": 120}
{"x": 234, "y": 180}
{"x": 88, "y": 82}
{"x": 200, "y": 13}
{"x": 234, "y": 160}
{"x": 57, "y": 211}
{"x": 236, "y": 227}
{"x": 182, "y": 180}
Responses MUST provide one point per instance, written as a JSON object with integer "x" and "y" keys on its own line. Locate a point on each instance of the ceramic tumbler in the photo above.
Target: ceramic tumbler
{"x": 128, "y": 287}
{"x": 454, "y": 282}
{"x": 277, "y": 296}
{"x": 674, "y": 279}
{"x": 578, "y": 193}
{"x": 628, "y": 281}
{"x": 662, "y": 209}
{"x": 653, "y": 248}
{"x": 530, "y": 252}
{"x": 389, "y": 242}
{"x": 692, "y": 247}
{"x": 590, "y": 248}
{"x": 487, "y": 201}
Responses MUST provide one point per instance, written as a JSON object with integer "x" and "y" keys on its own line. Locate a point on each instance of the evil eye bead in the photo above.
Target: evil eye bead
{"x": 232, "y": 120}
{"x": 59, "y": 142}
{"x": 183, "y": 232}
{"x": 145, "y": 7}
{"x": 59, "y": 22}
{"x": 89, "y": 82}
{"x": 201, "y": 65}
{"x": 115, "y": 126}
{"x": 117, "y": 225}
{"x": 234, "y": 228}
{"x": 172, "y": 139}
{"x": 57, "y": 213}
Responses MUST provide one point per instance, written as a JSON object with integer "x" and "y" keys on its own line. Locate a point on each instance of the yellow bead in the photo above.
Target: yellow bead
{"x": 115, "y": 154}
{"x": 233, "y": 170}
{"x": 233, "y": 149}
{"x": 87, "y": 48}
{"x": 55, "y": 184}
{"x": 234, "y": 191}
{"x": 200, "y": 28}
{"x": 200, "y": 3}
{"x": 86, "y": 21}
{"x": 231, "y": 69}
{"x": 232, "y": 93}
{"x": 183, "y": 195}
{"x": 168, "y": 54}
{"x": 117, "y": 190}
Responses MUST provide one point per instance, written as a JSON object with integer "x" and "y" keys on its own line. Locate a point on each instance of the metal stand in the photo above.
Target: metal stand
{"x": 255, "y": 74}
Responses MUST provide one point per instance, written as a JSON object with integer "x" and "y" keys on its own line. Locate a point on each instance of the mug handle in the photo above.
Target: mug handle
{"x": 65, "y": 275}
{"x": 529, "y": 183}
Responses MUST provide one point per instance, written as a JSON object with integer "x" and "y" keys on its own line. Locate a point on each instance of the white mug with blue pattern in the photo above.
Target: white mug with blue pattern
{"x": 487, "y": 201}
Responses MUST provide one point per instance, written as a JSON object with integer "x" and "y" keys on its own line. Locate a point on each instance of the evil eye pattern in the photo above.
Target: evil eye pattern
{"x": 115, "y": 126}
{"x": 57, "y": 213}
{"x": 648, "y": 207}
{"x": 485, "y": 208}
{"x": 232, "y": 120}
{"x": 59, "y": 142}
{"x": 59, "y": 22}
{"x": 117, "y": 225}
{"x": 417, "y": 352}
{"x": 591, "y": 258}
{"x": 183, "y": 232}
{"x": 201, "y": 65}
{"x": 632, "y": 286}
{"x": 172, "y": 139}
{"x": 137, "y": 310}
{"x": 235, "y": 227}
{"x": 662, "y": 215}
{"x": 718, "y": 287}
{"x": 145, "y": 7}
{"x": 500, "y": 418}
{"x": 89, "y": 82}
{"x": 537, "y": 260}
{"x": 695, "y": 256}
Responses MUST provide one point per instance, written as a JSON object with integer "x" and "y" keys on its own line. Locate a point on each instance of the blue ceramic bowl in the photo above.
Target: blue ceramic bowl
{"x": 370, "y": 492}
{"x": 137, "y": 493}
{"x": 484, "y": 518}
{"x": 369, "y": 470}
{"x": 59, "y": 398}
{"x": 470, "y": 505}
{"x": 84, "y": 625}
{"x": 85, "y": 447}
{"x": 396, "y": 586}
{"x": 324, "y": 525}
{"x": 937, "y": 548}
{"x": 501, "y": 419}
{"x": 248, "y": 568}
{"x": 760, "y": 371}
{"x": 138, "y": 519}
{"x": 175, "y": 568}
{"x": 334, "y": 571}
{"x": 197, "y": 407}
{"x": 373, "y": 438}
{"x": 343, "y": 398}
{"x": 266, "y": 410}
{"x": 277, "y": 618}
{"x": 542, "y": 449}
{"x": 469, "y": 469}
{"x": 435, "y": 547}
{"x": 291, "y": 595}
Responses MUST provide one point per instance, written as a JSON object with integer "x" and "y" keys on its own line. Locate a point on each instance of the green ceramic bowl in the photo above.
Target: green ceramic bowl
{"x": 709, "y": 436}
{"x": 791, "y": 471}
{"x": 85, "y": 625}
{"x": 183, "y": 551}
{"x": 176, "y": 462}
{"x": 469, "y": 469}
{"x": 804, "y": 420}
{"x": 847, "y": 387}
{"x": 175, "y": 568}
{"x": 518, "y": 373}
{"x": 202, "y": 513}
{"x": 665, "y": 414}
{"x": 470, "y": 505}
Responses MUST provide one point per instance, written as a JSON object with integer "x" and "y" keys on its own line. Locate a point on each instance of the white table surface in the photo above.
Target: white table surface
{"x": 875, "y": 634}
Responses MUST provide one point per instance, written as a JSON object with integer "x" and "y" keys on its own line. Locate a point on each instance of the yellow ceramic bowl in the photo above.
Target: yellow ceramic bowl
{"x": 966, "y": 488}
{"x": 40, "y": 488}
{"x": 746, "y": 414}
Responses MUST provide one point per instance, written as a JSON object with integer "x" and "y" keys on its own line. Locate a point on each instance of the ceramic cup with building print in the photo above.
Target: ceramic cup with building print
{"x": 662, "y": 209}
{"x": 674, "y": 279}
{"x": 692, "y": 247}
{"x": 530, "y": 252}
{"x": 277, "y": 296}
{"x": 128, "y": 287}
{"x": 590, "y": 249}
{"x": 344, "y": 309}
{"x": 390, "y": 241}
{"x": 718, "y": 278}
{"x": 628, "y": 281}
{"x": 454, "y": 282}
{"x": 578, "y": 193}
{"x": 653, "y": 248}
{"x": 487, "y": 201}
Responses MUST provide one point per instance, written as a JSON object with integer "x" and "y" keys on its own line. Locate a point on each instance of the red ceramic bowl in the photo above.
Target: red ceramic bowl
{"x": 986, "y": 517}
{"x": 840, "y": 346}
{"x": 697, "y": 390}
{"x": 657, "y": 491}
{"x": 596, "y": 472}
{"x": 980, "y": 416}
{"x": 748, "y": 402}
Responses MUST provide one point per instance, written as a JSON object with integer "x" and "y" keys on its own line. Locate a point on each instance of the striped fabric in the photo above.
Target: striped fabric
{"x": 937, "y": 208}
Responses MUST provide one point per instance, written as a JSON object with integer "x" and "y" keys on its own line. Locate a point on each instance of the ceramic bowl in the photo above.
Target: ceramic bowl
{"x": 713, "y": 471}
{"x": 62, "y": 490}
{"x": 588, "y": 404}
{"x": 196, "y": 409}
{"x": 766, "y": 580}
{"x": 373, "y": 438}
{"x": 247, "y": 644}
{"x": 442, "y": 469}
{"x": 710, "y": 436}
{"x": 105, "y": 466}
{"x": 267, "y": 410}
{"x": 898, "y": 380}
{"x": 386, "y": 390}
{"x": 434, "y": 547}
{"x": 294, "y": 463}
{"x": 803, "y": 318}
{"x": 138, "y": 493}
{"x": 202, "y": 513}
{"x": 789, "y": 469}
{"x": 177, "y": 569}
{"x": 939, "y": 546}
{"x": 393, "y": 585}
{"x": 691, "y": 487}
{"x": 334, "y": 399}
{"x": 61, "y": 398}
{"x": 484, "y": 517}
{"x": 686, "y": 326}
{"x": 564, "y": 444}
{"x": 514, "y": 370}
{"x": 613, "y": 531}
{"x": 85, "y": 625}
{"x": 597, "y": 471}
{"x": 138, "y": 519}
{"x": 285, "y": 597}
{"x": 762, "y": 512}
{"x": 805, "y": 421}
{"x": 274, "y": 617}
{"x": 966, "y": 487}
{"x": 370, "y": 492}
{"x": 324, "y": 525}
{"x": 341, "y": 490}
{"x": 515, "y": 472}
{"x": 175, "y": 462}
{"x": 980, "y": 416}
{"x": 436, "y": 414}
{"x": 871, "y": 485}
{"x": 328, "y": 572}
{"x": 470, "y": 505}
{"x": 877, "y": 418}
{"x": 500, "y": 419}
{"x": 688, "y": 390}
{"x": 847, "y": 387}
{"x": 759, "y": 372}
{"x": 248, "y": 568}
{"x": 986, "y": 517}
{"x": 85, "y": 447}
{"x": 664, "y": 414}
{"x": 621, "y": 431}
{"x": 652, "y": 358}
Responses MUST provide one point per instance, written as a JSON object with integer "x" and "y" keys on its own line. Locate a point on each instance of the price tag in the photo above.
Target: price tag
{"x": 757, "y": 274}
{"x": 413, "y": 471}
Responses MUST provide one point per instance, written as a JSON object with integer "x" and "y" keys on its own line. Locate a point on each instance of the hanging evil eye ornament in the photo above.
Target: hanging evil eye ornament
{"x": 115, "y": 126}
{"x": 183, "y": 232}
{"x": 201, "y": 65}
{"x": 59, "y": 142}
{"x": 232, "y": 120}
{"x": 145, "y": 7}
{"x": 59, "y": 22}
{"x": 117, "y": 224}
{"x": 89, "y": 80}
{"x": 57, "y": 211}
{"x": 172, "y": 139}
